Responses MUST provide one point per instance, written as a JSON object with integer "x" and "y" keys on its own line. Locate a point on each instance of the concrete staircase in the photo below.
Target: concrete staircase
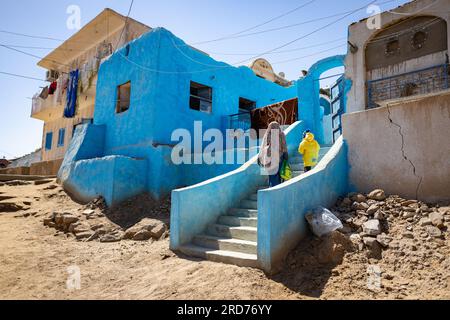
{"x": 297, "y": 165}
{"x": 233, "y": 238}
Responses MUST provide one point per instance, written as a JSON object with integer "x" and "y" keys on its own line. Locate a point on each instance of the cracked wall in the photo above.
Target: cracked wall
{"x": 403, "y": 148}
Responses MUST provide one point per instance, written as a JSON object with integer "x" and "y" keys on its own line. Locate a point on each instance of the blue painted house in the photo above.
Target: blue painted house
{"x": 145, "y": 91}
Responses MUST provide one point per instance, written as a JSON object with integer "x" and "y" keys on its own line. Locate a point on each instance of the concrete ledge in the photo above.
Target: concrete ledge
{"x": 16, "y": 171}
{"x": 10, "y": 177}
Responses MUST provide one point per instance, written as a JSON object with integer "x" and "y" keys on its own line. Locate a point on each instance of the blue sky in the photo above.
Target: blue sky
{"x": 193, "y": 21}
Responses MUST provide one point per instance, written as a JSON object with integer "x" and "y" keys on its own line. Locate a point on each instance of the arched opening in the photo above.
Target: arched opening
{"x": 315, "y": 97}
{"x": 407, "y": 58}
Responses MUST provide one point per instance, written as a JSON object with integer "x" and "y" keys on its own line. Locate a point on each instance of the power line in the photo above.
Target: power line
{"x": 399, "y": 33}
{"x": 22, "y": 76}
{"x": 239, "y": 34}
{"x": 30, "y": 36}
{"x": 282, "y": 27}
{"x": 414, "y": 13}
{"x": 240, "y": 62}
{"x": 125, "y": 25}
{"x": 310, "y": 55}
{"x": 308, "y": 34}
{"x": 281, "y": 51}
{"x": 32, "y": 55}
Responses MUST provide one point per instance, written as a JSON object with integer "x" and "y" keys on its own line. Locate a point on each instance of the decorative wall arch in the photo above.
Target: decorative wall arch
{"x": 382, "y": 60}
{"x": 308, "y": 93}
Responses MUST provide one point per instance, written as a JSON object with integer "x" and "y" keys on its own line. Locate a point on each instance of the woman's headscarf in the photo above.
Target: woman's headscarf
{"x": 272, "y": 148}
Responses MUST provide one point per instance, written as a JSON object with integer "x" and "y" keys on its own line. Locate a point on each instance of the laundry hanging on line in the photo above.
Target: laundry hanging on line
{"x": 72, "y": 92}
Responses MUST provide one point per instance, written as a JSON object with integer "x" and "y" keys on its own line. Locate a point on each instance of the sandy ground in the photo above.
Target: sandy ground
{"x": 34, "y": 262}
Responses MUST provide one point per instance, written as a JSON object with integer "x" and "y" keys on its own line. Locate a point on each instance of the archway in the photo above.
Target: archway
{"x": 309, "y": 97}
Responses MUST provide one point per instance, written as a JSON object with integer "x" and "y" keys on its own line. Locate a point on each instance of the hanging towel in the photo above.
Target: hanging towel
{"x": 44, "y": 93}
{"x": 72, "y": 89}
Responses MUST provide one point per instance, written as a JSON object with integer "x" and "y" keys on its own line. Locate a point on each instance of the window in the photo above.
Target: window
{"x": 336, "y": 135}
{"x": 48, "y": 140}
{"x": 419, "y": 39}
{"x": 61, "y": 136}
{"x": 336, "y": 106}
{"x": 123, "y": 97}
{"x": 392, "y": 47}
{"x": 246, "y": 105}
{"x": 201, "y": 97}
{"x": 337, "y": 121}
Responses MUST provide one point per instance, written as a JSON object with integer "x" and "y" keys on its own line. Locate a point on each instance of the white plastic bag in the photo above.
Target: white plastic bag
{"x": 323, "y": 222}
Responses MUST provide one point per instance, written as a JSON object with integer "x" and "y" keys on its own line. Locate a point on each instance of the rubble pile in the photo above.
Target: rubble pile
{"x": 376, "y": 222}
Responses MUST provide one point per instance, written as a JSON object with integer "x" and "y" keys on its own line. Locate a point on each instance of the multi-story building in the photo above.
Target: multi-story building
{"x": 72, "y": 74}
{"x": 406, "y": 55}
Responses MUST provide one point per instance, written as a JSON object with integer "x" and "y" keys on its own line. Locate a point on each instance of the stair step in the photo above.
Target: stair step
{"x": 229, "y": 257}
{"x": 242, "y": 212}
{"x": 297, "y": 167}
{"x": 238, "y": 221}
{"x": 295, "y": 174}
{"x": 242, "y": 233}
{"x": 249, "y": 204}
{"x": 218, "y": 243}
{"x": 295, "y": 159}
{"x": 253, "y": 197}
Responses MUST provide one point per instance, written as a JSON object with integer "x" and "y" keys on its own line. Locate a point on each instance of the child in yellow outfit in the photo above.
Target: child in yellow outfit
{"x": 309, "y": 149}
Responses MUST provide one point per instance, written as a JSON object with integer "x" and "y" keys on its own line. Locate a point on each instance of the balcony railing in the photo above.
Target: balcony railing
{"x": 422, "y": 81}
{"x": 54, "y": 100}
{"x": 240, "y": 121}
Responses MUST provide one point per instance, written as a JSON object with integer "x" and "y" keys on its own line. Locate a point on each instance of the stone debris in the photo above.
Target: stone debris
{"x": 376, "y": 223}
{"x": 14, "y": 183}
{"x": 144, "y": 230}
{"x": 43, "y": 181}
{"x": 372, "y": 227}
{"x": 377, "y": 195}
{"x": 90, "y": 223}
{"x": 11, "y": 206}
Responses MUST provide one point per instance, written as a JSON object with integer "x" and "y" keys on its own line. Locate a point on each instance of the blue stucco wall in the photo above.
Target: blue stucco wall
{"x": 281, "y": 210}
{"x": 195, "y": 207}
{"x": 86, "y": 174}
{"x": 160, "y": 67}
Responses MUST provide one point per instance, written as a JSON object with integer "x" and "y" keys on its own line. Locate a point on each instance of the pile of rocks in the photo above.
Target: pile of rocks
{"x": 369, "y": 220}
{"x": 146, "y": 229}
{"x": 92, "y": 225}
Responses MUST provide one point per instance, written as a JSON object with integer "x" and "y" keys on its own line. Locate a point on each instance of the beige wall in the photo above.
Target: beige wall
{"x": 375, "y": 147}
{"x": 360, "y": 34}
{"x": 54, "y": 120}
{"x": 86, "y": 111}
{"x": 46, "y": 168}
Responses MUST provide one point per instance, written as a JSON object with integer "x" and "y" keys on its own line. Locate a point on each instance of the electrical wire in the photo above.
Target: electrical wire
{"x": 283, "y": 27}
{"x": 240, "y": 62}
{"x": 281, "y": 51}
{"x": 414, "y": 13}
{"x": 308, "y": 34}
{"x": 240, "y": 33}
{"x": 22, "y": 76}
{"x": 310, "y": 55}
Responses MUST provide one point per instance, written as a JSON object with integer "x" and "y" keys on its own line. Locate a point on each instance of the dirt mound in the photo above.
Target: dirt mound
{"x": 389, "y": 247}
{"x": 132, "y": 211}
